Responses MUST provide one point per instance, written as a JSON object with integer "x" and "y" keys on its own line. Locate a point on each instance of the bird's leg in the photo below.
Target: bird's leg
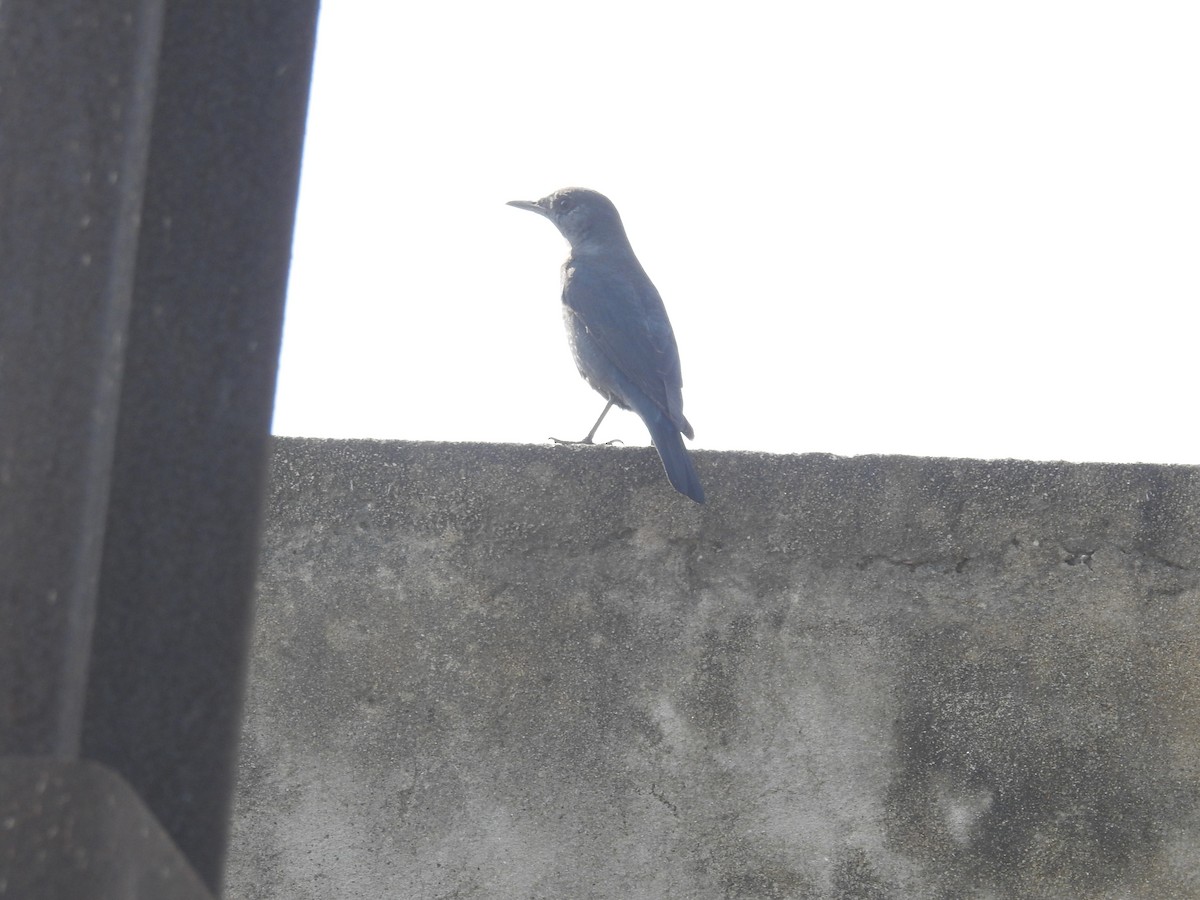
{"x": 591, "y": 434}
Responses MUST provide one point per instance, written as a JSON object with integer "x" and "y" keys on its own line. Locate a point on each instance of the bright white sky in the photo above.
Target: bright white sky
{"x": 945, "y": 229}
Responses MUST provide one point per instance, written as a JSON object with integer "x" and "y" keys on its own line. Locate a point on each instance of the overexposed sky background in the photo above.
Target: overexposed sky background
{"x": 945, "y": 229}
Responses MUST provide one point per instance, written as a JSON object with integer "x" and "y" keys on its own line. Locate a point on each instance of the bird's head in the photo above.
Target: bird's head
{"x": 587, "y": 219}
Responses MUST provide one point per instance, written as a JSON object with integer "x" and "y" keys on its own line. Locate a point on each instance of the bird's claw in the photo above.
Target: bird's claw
{"x": 586, "y": 441}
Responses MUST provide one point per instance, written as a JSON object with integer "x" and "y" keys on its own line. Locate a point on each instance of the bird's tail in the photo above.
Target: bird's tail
{"x": 675, "y": 458}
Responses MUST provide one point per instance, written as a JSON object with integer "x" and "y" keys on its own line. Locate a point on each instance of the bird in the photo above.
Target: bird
{"x": 618, "y": 328}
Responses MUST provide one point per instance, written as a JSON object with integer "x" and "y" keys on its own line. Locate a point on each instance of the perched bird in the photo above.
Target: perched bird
{"x": 618, "y": 327}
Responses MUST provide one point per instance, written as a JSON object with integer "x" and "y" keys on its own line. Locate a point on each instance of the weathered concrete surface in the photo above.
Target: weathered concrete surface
{"x": 507, "y": 671}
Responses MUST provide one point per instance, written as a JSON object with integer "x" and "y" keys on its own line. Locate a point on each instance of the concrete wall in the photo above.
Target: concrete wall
{"x": 537, "y": 672}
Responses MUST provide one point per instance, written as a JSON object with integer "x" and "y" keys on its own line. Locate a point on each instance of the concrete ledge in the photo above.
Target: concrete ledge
{"x": 512, "y": 671}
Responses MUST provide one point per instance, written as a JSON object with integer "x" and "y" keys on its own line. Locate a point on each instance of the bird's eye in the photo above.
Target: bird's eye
{"x": 565, "y": 204}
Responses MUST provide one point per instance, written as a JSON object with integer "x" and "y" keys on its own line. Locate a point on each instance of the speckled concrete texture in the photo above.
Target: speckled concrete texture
{"x": 538, "y": 672}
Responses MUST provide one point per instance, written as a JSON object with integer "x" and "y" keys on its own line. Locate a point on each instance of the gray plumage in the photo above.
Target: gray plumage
{"x": 618, "y": 327}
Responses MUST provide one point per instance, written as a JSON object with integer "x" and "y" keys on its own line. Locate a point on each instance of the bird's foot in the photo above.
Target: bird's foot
{"x": 588, "y": 441}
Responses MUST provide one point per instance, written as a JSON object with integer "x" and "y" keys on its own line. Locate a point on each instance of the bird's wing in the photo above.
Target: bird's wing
{"x": 626, "y": 317}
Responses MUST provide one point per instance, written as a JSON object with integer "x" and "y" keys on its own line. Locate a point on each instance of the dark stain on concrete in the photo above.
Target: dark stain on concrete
{"x": 1002, "y": 784}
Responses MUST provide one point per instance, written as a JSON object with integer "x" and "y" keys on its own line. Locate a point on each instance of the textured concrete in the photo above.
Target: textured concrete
{"x": 537, "y": 672}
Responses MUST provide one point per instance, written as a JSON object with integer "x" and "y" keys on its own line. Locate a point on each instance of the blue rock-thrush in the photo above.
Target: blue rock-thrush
{"x": 618, "y": 327}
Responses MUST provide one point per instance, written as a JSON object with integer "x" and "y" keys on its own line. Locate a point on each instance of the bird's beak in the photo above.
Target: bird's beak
{"x": 531, "y": 205}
